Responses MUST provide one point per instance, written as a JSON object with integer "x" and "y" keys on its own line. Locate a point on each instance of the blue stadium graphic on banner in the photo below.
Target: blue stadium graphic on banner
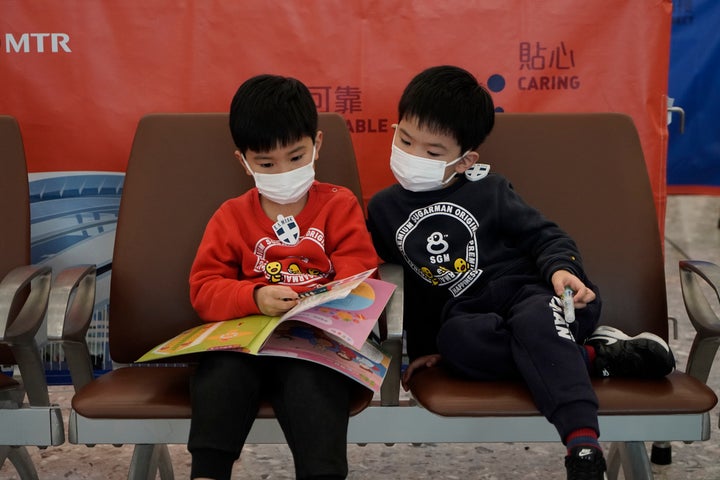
{"x": 694, "y": 84}
{"x": 73, "y": 221}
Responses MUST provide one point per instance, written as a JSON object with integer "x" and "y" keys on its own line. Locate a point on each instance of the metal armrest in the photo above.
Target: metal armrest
{"x": 72, "y": 300}
{"x": 29, "y": 307}
{"x": 23, "y": 302}
{"x": 693, "y": 274}
{"x": 391, "y": 332}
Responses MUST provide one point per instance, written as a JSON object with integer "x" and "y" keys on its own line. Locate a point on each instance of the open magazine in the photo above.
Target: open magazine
{"x": 330, "y": 325}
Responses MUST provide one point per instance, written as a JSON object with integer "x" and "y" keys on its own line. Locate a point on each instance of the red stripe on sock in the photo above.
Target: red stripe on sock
{"x": 582, "y": 436}
{"x": 591, "y": 353}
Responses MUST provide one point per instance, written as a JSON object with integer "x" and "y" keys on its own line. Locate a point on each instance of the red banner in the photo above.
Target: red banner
{"x": 79, "y": 74}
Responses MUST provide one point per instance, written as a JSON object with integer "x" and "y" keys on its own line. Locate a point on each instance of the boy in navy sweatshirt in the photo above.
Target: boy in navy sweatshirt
{"x": 485, "y": 272}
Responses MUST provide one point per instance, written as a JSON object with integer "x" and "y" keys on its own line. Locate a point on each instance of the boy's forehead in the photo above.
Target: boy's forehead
{"x": 284, "y": 147}
{"x": 427, "y": 132}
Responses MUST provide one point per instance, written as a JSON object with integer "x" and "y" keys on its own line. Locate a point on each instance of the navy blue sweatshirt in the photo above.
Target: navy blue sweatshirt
{"x": 453, "y": 241}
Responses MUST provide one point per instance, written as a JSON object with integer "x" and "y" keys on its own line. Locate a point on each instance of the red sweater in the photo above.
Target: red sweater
{"x": 240, "y": 251}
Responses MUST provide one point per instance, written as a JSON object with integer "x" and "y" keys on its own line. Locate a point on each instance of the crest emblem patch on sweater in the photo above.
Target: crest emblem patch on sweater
{"x": 287, "y": 230}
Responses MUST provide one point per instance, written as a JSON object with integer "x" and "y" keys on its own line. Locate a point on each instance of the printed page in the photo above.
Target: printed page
{"x": 244, "y": 334}
{"x": 352, "y": 317}
{"x": 325, "y": 293}
{"x": 367, "y": 365}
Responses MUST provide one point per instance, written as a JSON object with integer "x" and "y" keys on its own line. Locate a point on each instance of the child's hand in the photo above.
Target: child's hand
{"x": 563, "y": 278}
{"x": 274, "y": 300}
{"x": 425, "y": 361}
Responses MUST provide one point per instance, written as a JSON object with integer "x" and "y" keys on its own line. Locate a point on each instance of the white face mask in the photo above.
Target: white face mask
{"x": 286, "y": 187}
{"x": 419, "y": 174}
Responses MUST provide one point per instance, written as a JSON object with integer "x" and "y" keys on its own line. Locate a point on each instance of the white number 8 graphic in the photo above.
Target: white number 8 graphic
{"x": 436, "y": 244}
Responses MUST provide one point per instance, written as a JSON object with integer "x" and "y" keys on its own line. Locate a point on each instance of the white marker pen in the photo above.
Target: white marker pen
{"x": 568, "y": 305}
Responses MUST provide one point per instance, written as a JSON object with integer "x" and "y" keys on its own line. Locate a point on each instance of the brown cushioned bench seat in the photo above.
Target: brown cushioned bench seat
{"x": 443, "y": 394}
{"x": 156, "y": 392}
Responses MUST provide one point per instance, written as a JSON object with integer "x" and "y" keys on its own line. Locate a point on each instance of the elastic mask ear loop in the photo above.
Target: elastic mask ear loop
{"x": 450, "y": 164}
{"x": 247, "y": 165}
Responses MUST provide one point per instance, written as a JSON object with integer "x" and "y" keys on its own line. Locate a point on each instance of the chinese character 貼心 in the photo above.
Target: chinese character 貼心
{"x": 533, "y": 57}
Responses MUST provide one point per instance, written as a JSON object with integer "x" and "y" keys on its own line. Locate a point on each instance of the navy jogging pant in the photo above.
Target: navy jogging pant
{"x": 516, "y": 329}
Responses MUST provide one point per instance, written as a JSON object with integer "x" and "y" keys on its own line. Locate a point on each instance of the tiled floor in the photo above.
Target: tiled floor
{"x": 691, "y": 232}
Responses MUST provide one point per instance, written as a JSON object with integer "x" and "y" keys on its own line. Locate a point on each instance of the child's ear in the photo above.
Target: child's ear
{"x": 318, "y": 143}
{"x": 468, "y": 161}
{"x": 239, "y": 158}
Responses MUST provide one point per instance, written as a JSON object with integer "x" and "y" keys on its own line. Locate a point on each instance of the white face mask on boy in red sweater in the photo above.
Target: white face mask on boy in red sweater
{"x": 286, "y": 187}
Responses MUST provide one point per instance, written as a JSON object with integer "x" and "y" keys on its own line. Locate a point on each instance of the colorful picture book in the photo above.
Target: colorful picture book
{"x": 329, "y": 325}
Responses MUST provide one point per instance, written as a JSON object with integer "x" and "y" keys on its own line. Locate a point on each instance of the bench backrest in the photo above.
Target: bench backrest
{"x": 14, "y": 198}
{"x": 14, "y": 207}
{"x": 181, "y": 169}
{"x": 587, "y": 173}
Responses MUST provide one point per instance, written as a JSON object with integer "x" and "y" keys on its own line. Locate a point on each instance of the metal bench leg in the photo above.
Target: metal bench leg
{"x": 661, "y": 453}
{"x": 612, "y": 459}
{"x": 632, "y": 457}
{"x": 147, "y": 460}
{"x": 20, "y": 458}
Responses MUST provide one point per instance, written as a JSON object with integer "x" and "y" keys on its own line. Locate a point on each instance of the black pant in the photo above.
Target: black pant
{"x": 516, "y": 329}
{"x": 311, "y": 403}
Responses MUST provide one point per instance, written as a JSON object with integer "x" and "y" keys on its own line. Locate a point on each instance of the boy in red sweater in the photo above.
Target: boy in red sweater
{"x": 288, "y": 234}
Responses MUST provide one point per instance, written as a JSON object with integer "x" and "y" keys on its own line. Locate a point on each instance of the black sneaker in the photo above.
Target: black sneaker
{"x": 585, "y": 463}
{"x": 619, "y": 355}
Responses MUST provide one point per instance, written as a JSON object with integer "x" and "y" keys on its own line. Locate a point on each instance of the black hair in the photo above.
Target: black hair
{"x": 270, "y": 111}
{"x": 449, "y": 100}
